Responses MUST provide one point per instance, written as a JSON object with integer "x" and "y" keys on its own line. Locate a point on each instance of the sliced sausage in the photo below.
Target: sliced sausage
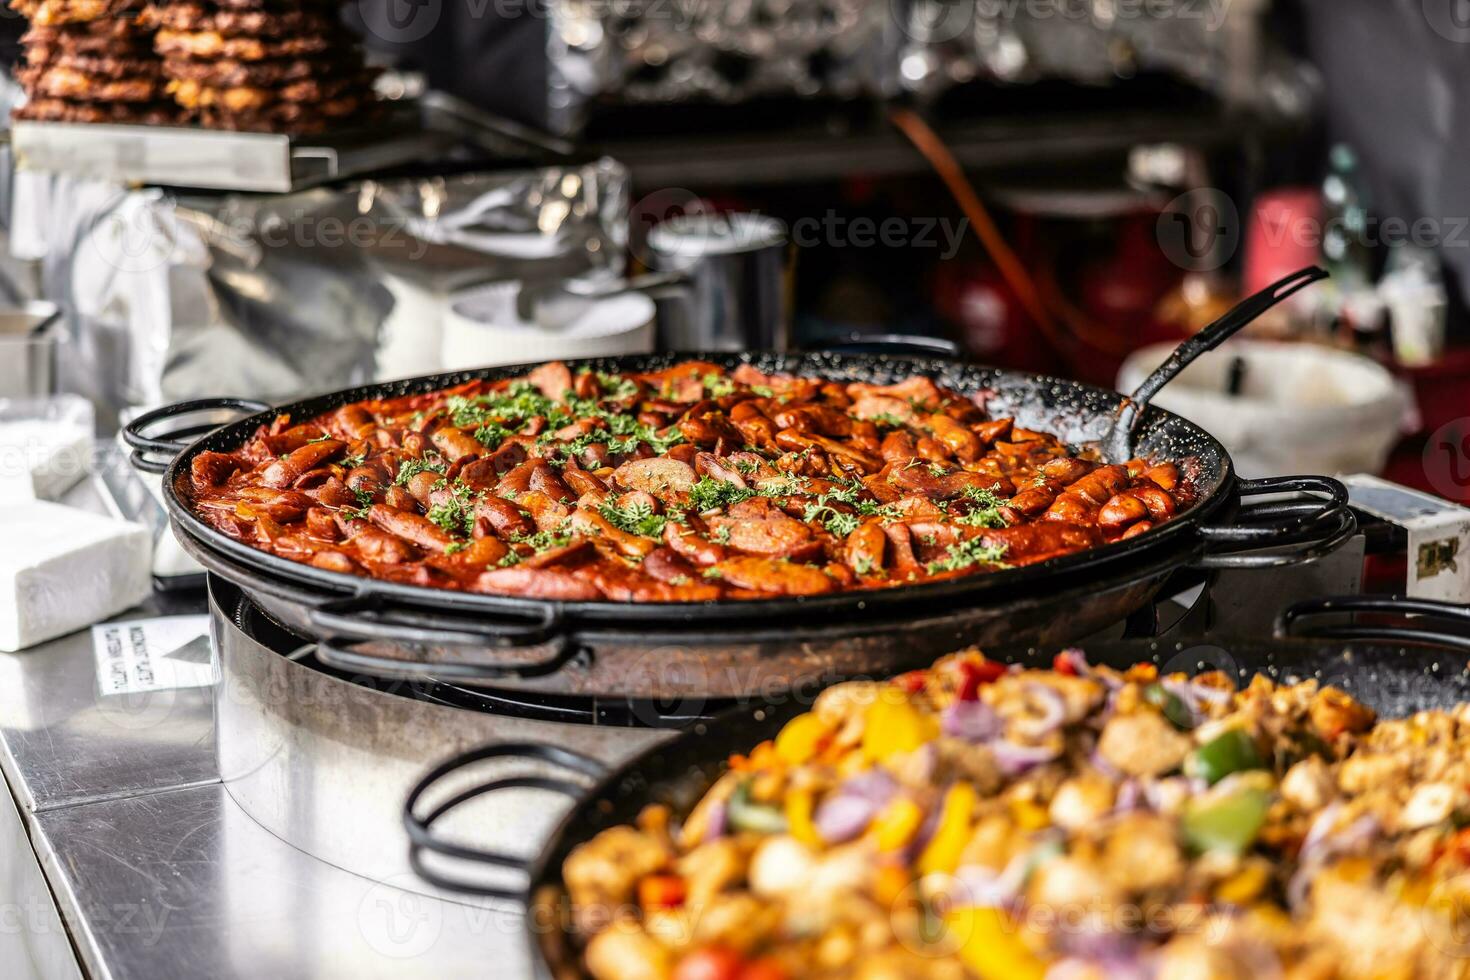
{"x": 771, "y": 576}
{"x": 759, "y": 527}
{"x": 410, "y": 527}
{"x": 284, "y": 471}
{"x": 658, "y": 476}
{"x": 536, "y": 583}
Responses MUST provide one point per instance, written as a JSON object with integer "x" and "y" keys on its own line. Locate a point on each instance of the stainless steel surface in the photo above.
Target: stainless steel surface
{"x": 308, "y": 754}
{"x": 33, "y": 939}
{"x": 185, "y": 156}
{"x": 735, "y": 296}
{"x": 184, "y": 885}
{"x": 1247, "y": 605}
{"x": 29, "y": 337}
{"x": 62, "y": 743}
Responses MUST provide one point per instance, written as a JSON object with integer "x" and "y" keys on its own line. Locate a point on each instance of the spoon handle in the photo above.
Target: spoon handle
{"x": 1222, "y": 329}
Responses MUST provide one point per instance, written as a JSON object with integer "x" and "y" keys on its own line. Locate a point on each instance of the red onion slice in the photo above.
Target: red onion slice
{"x": 1053, "y": 711}
{"x": 874, "y": 784}
{"x": 973, "y": 721}
{"x": 1015, "y": 759}
{"x": 718, "y": 823}
{"x": 841, "y": 818}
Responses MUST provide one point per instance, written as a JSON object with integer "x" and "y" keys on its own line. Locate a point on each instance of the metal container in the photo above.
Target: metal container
{"x": 735, "y": 295}
{"x": 28, "y": 346}
{"x": 309, "y": 752}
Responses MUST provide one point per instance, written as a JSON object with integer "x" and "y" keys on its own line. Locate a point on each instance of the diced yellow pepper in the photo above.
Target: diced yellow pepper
{"x": 897, "y": 824}
{"x": 799, "y": 818}
{"x": 800, "y": 739}
{"x": 852, "y": 764}
{"x": 942, "y": 854}
{"x": 889, "y": 884}
{"x": 1030, "y": 815}
{"x": 1244, "y": 885}
{"x": 989, "y": 945}
{"x": 892, "y": 726}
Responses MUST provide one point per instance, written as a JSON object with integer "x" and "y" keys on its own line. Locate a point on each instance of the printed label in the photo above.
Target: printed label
{"x": 158, "y": 654}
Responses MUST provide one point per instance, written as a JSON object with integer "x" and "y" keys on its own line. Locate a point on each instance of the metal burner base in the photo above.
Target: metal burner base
{"x": 324, "y": 762}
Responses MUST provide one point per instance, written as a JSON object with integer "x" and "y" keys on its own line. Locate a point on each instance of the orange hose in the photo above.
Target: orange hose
{"x": 1012, "y": 270}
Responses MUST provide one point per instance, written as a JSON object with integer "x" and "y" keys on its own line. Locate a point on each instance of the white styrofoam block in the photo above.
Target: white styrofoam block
{"x": 16, "y": 488}
{"x": 62, "y": 569}
{"x": 54, "y": 453}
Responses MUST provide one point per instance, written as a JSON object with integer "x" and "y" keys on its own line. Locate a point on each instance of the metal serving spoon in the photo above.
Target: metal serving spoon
{"x": 1117, "y": 445}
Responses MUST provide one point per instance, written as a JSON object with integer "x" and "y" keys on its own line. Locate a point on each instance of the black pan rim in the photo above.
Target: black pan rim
{"x": 1178, "y": 532}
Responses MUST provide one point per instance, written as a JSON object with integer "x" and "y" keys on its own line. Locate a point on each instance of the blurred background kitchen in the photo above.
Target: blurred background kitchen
{"x": 1061, "y": 186}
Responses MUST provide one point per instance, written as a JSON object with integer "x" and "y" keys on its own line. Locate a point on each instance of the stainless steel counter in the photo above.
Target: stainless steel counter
{"x": 123, "y": 856}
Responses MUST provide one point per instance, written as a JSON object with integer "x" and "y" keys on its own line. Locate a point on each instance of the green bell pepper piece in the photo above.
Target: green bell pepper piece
{"x": 1232, "y": 752}
{"x": 746, "y": 814}
{"x": 1173, "y": 706}
{"x": 1227, "y": 823}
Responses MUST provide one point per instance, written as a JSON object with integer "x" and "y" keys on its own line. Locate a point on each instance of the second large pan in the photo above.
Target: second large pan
{"x": 1410, "y": 665}
{"x": 731, "y": 649}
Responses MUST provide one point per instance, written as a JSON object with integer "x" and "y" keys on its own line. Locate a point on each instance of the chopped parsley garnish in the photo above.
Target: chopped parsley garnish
{"x": 716, "y": 386}
{"x": 862, "y": 565}
{"x": 889, "y": 419}
{"x": 721, "y": 534}
{"x": 364, "y": 498}
{"x": 636, "y": 518}
{"x": 781, "y": 486}
{"x": 839, "y": 523}
{"x": 965, "y": 554}
{"x": 616, "y": 386}
{"x": 538, "y": 542}
{"x": 763, "y": 390}
{"x": 353, "y": 462}
{"x": 986, "y": 512}
{"x": 411, "y": 468}
{"x": 321, "y": 438}
{"x": 518, "y": 403}
{"x": 712, "y": 494}
{"x": 492, "y": 434}
{"x": 623, "y": 435}
{"x": 456, "y": 547}
{"x": 455, "y": 515}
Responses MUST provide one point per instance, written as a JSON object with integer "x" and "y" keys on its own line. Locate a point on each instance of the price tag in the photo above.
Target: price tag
{"x": 158, "y": 654}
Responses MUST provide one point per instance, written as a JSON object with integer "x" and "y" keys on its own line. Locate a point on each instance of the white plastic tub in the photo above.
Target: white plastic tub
{"x": 1301, "y": 408}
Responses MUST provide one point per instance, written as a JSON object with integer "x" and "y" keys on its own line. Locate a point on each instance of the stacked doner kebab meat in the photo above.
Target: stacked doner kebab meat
{"x": 92, "y": 61}
{"x": 260, "y": 65}
{"x": 253, "y": 65}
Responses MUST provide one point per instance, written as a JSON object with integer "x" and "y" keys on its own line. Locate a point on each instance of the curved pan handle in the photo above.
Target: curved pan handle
{"x": 346, "y": 624}
{"x": 1288, "y": 623}
{"x": 153, "y": 454}
{"x": 1295, "y": 531}
{"x": 420, "y": 827}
